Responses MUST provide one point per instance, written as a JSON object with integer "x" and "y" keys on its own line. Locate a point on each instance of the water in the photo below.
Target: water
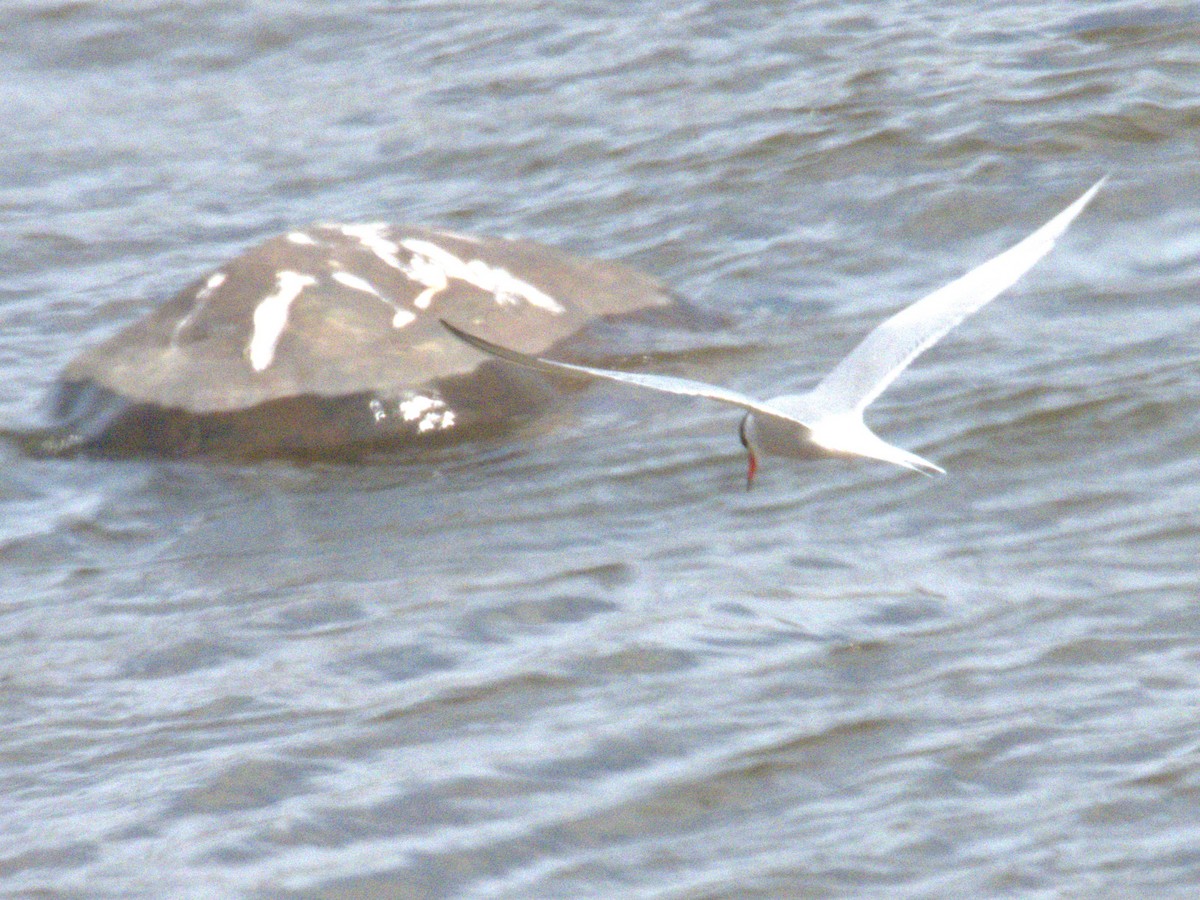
{"x": 579, "y": 660}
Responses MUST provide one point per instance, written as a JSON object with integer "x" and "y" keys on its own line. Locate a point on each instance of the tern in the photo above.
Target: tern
{"x": 828, "y": 420}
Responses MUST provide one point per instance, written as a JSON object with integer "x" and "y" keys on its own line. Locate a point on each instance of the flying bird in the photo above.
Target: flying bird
{"x": 828, "y": 420}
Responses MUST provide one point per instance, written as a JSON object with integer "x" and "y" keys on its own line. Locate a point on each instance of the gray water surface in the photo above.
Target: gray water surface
{"x": 579, "y": 659}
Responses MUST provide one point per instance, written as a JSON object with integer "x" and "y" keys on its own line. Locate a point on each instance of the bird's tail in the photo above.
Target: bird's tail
{"x": 848, "y": 435}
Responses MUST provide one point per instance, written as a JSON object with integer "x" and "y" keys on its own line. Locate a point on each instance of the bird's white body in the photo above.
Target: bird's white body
{"x": 828, "y": 420}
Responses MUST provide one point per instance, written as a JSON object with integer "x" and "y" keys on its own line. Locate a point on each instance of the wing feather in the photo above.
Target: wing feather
{"x": 668, "y": 384}
{"x": 887, "y": 351}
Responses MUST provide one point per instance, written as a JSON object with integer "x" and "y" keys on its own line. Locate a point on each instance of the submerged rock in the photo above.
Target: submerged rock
{"x": 327, "y": 341}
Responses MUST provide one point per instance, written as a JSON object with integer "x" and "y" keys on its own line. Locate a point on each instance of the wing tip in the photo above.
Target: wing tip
{"x": 477, "y": 342}
{"x": 457, "y": 332}
{"x": 1094, "y": 189}
{"x": 1068, "y": 215}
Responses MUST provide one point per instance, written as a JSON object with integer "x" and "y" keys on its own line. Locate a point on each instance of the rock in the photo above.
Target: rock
{"x": 326, "y": 341}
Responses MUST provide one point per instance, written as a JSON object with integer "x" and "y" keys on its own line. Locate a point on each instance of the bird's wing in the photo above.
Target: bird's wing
{"x": 662, "y": 383}
{"x": 886, "y": 352}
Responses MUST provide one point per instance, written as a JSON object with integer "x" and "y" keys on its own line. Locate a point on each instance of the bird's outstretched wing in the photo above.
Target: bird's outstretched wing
{"x": 886, "y": 352}
{"x": 663, "y": 383}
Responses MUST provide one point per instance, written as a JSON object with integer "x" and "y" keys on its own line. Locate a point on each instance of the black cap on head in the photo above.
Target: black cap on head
{"x": 745, "y": 439}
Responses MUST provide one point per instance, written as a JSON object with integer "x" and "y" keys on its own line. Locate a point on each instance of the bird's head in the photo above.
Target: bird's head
{"x": 746, "y": 436}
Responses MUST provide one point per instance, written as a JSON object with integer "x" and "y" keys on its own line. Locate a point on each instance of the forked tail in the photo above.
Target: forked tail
{"x": 849, "y": 435}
